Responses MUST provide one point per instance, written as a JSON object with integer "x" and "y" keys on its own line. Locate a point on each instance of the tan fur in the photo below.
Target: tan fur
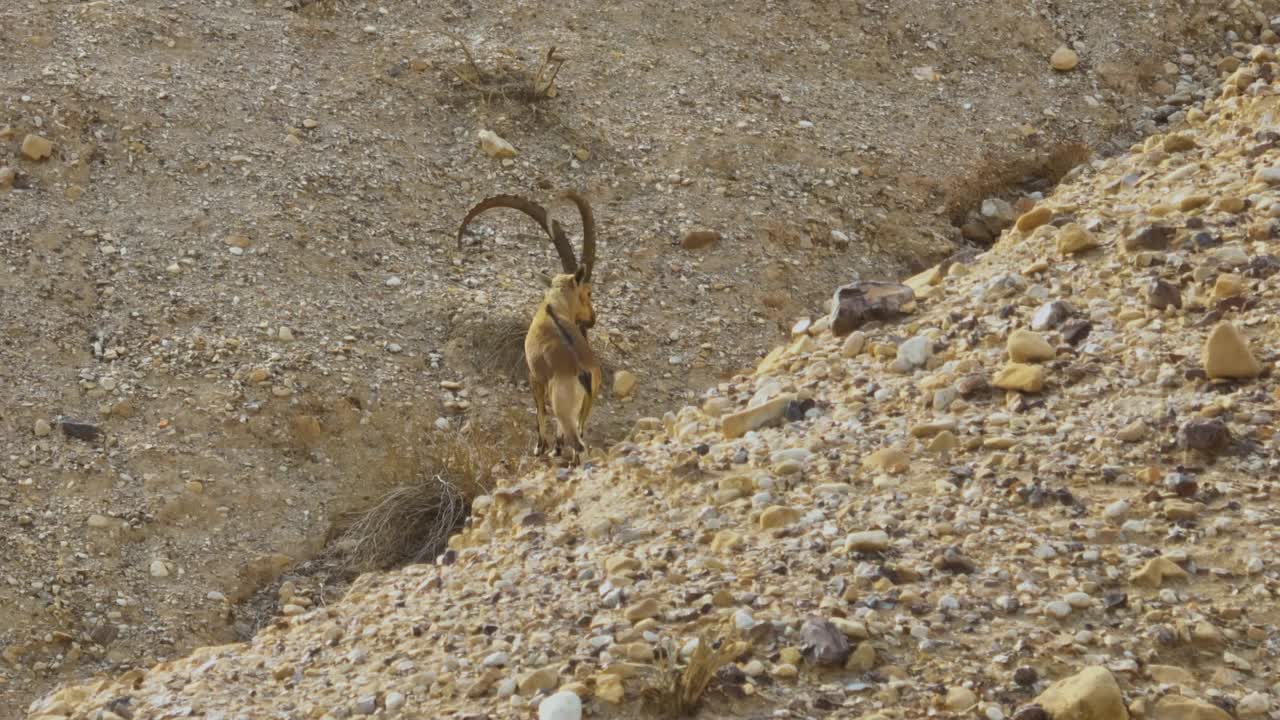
{"x": 559, "y": 358}
{"x": 562, "y": 369}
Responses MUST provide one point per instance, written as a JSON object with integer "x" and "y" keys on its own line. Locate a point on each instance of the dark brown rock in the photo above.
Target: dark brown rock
{"x": 823, "y": 644}
{"x": 1210, "y": 436}
{"x": 859, "y": 303}
{"x": 1162, "y": 294}
{"x": 1149, "y": 237}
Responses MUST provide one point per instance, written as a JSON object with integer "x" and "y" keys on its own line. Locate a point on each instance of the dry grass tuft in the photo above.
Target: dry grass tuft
{"x": 439, "y": 474}
{"x": 678, "y": 691}
{"x": 520, "y": 83}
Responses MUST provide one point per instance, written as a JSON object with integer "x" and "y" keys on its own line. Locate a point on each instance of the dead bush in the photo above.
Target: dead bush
{"x": 676, "y": 691}
{"x": 439, "y": 474}
{"x": 515, "y": 82}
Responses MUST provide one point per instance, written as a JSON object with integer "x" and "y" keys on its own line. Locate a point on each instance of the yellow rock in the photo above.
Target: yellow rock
{"x": 1191, "y": 202}
{"x": 1229, "y": 204}
{"x": 1228, "y": 285}
{"x": 1178, "y": 143}
{"x": 1064, "y": 59}
{"x": 740, "y": 423}
{"x": 1226, "y": 354}
{"x": 35, "y": 147}
{"x": 944, "y": 441}
{"x": 1177, "y": 707}
{"x": 1091, "y": 694}
{"x": 1027, "y": 346}
{"x": 1156, "y": 571}
{"x": 862, "y": 659}
{"x": 891, "y": 460}
{"x": 609, "y": 688}
{"x": 778, "y": 516}
{"x": 725, "y": 541}
{"x": 642, "y": 610}
{"x": 790, "y": 655}
{"x": 1021, "y": 377}
{"x": 495, "y": 146}
{"x": 920, "y": 282}
{"x": 1033, "y": 219}
{"x": 1072, "y": 238}
{"x": 623, "y": 383}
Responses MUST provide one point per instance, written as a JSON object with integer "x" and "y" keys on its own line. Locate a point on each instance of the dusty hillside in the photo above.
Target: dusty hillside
{"x": 1059, "y": 465}
{"x": 237, "y": 259}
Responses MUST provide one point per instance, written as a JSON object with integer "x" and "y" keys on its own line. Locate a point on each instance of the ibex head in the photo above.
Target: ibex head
{"x": 579, "y": 274}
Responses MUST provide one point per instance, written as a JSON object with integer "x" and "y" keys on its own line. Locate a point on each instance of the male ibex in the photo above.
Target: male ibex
{"x": 562, "y": 367}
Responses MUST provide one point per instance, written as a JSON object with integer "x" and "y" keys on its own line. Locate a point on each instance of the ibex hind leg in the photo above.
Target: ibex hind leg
{"x": 584, "y": 411}
{"x": 566, "y": 399}
{"x": 540, "y": 405}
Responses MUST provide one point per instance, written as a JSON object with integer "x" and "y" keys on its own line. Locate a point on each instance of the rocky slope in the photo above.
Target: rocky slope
{"x": 1059, "y": 466}
{"x": 237, "y": 260}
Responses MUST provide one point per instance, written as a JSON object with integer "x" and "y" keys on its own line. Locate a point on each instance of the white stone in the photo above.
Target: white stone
{"x": 564, "y": 705}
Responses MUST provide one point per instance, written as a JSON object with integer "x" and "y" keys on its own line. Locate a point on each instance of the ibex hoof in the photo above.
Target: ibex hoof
{"x": 540, "y": 448}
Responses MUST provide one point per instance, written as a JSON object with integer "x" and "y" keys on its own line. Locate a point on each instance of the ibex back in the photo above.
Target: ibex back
{"x": 562, "y": 369}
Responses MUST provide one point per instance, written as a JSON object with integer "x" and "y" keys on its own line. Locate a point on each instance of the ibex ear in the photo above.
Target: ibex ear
{"x": 579, "y": 274}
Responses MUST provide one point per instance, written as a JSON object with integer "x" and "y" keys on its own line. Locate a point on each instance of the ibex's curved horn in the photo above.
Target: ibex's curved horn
{"x": 533, "y": 210}
{"x": 588, "y": 232}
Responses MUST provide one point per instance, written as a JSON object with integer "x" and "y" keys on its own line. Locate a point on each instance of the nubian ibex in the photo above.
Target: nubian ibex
{"x": 562, "y": 368}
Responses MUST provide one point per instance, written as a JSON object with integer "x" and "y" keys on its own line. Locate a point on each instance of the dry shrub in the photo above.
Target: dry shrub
{"x": 525, "y": 84}
{"x": 439, "y": 474}
{"x": 997, "y": 175}
{"x": 678, "y": 691}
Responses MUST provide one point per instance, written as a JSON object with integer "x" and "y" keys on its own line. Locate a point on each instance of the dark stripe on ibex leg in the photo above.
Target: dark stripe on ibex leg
{"x": 584, "y": 377}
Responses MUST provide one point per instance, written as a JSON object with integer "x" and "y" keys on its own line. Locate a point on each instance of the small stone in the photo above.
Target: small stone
{"x": 1228, "y": 285}
{"x": 285, "y": 334}
{"x": 642, "y": 610}
{"x": 624, "y": 382}
{"x": 1148, "y": 237}
{"x": 538, "y": 680}
{"x": 1211, "y": 436}
{"x": 1177, "y": 143}
{"x": 1187, "y": 203}
{"x": 1154, "y": 573}
{"x": 777, "y": 516}
{"x": 1134, "y": 432}
{"x": 99, "y": 521}
{"x": 959, "y": 699}
{"x": 945, "y": 441}
{"x": 853, "y": 344}
{"x": 1171, "y": 674}
{"x": 1091, "y": 694}
{"x": 1064, "y": 59}
{"x": 563, "y": 705}
{"x": 823, "y": 644}
{"x": 863, "y": 658}
{"x": 42, "y": 428}
{"x": 915, "y": 352}
{"x": 609, "y": 688}
{"x": 890, "y": 460}
{"x": 1178, "y": 707}
{"x": 785, "y": 671}
{"x": 1229, "y": 204}
{"x": 1026, "y": 346}
{"x": 393, "y": 702}
{"x": 868, "y": 541}
{"x": 1255, "y": 704}
{"x": 238, "y": 241}
{"x": 698, "y": 239}
{"x": 1026, "y": 676}
{"x": 1050, "y": 315}
{"x": 1072, "y": 238}
{"x": 497, "y": 659}
{"x": 367, "y": 704}
{"x": 1033, "y": 219}
{"x": 1269, "y": 175}
{"x": 35, "y": 147}
{"x": 495, "y": 146}
{"x": 159, "y": 569}
{"x": 80, "y": 430}
{"x": 1020, "y": 377}
{"x": 1058, "y": 609}
{"x": 859, "y": 303}
{"x": 1162, "y": 294}
{"x": 8, "y": 177}
{"x": 770, "y": 413}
